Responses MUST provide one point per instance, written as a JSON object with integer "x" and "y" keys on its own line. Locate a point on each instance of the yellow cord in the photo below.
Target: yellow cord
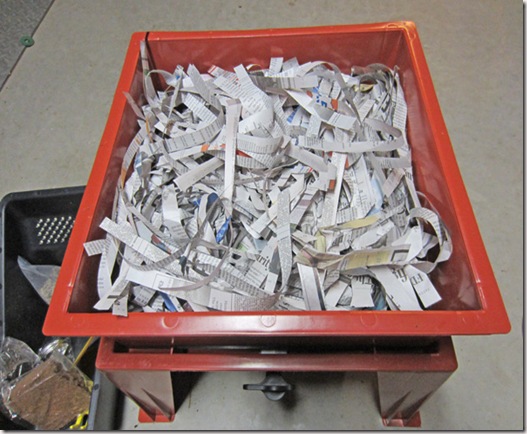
{"x": 81, "y": 423}
{"x": 84, "y": 349}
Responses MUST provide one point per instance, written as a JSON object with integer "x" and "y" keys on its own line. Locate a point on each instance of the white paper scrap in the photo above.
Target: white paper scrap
{"x": 313, "y": 294}
{"x": 423, "y": 286}
{"x": 397, "y": 287}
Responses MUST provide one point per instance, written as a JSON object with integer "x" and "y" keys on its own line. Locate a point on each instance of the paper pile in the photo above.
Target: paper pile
{"x": 260, "y": 189}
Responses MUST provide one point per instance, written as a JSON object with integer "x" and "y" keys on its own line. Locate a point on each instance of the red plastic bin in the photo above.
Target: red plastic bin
{"x": 406, "y": 378}
{"x": 471, "y": 302}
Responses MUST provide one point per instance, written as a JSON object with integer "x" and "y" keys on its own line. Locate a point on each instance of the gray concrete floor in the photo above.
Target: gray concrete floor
{"x": 18, "y": 19}
{"x": 53, "y": 111}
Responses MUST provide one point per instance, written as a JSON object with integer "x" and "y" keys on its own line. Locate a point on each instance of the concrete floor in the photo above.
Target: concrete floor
{"x": 53, "y": 111}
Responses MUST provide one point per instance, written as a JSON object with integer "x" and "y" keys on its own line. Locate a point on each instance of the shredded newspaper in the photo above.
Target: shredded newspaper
{"x": 286, "y": 188}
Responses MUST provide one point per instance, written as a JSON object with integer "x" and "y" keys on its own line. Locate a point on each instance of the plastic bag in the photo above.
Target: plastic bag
{"x": 46, "y": 392}
{"x": 16, "y": 358}
{"x": 51, "y": 344}
{"x": 50, "y": 396}
{"x": 42, "y": 277}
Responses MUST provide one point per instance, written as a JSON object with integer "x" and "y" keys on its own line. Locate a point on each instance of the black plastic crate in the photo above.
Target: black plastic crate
{"x": 35, "y": 225}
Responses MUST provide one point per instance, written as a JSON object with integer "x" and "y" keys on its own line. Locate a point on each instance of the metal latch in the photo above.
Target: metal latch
{"x": 273, "y": 386}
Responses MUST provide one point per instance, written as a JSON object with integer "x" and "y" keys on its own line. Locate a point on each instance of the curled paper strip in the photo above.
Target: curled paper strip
{"x": 261, "y": 189}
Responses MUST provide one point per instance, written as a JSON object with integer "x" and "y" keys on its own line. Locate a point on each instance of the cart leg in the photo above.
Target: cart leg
{"x": 401, "y": 394}
{"x": 150, "y": 390}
